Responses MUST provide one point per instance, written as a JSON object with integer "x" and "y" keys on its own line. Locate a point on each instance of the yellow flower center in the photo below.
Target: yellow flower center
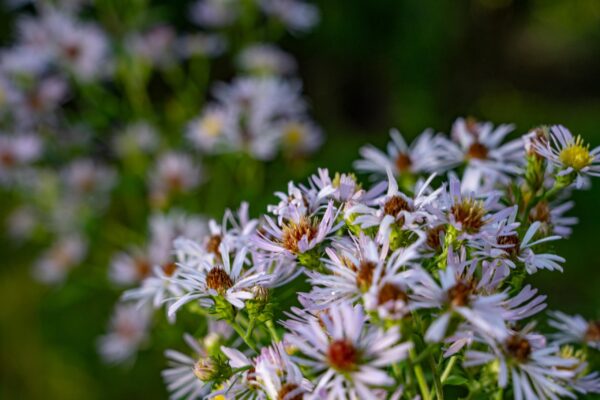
{"x": 294, "y": 133}
{"x": 576, "y": 155}
{"x": 211, "y": 125}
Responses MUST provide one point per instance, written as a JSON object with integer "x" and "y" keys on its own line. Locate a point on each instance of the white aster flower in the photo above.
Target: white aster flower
{"x": 348, "y": 354}
{"x": 422, "y": 156}
{"x": 266, "y": 59}
{"x": 575, "y": 329}
{"x": 56, "y": 262}
{"x": 569, "y": 154}
{"x": 537, "y": 371}
{"x": 128, "y": 329}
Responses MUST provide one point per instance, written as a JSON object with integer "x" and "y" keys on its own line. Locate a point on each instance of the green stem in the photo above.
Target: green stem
{"x": 422, "y": 382}
{"x": 448, "y": 369}
{"x": 242, "y": 334}
{"x": 436, "y": 378}
{"x": 272, "y": 330}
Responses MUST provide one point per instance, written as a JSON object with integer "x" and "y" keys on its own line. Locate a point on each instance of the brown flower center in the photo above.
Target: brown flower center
{"x": 169, "y": 268}
{"x": 217, "y": 279}
{"x": 294, "y": 232}
{"x": 593, "y": 332}
{"x": 394, "y": 205}
{"x": 541, "y": 213}
{"x": 142, "y": 267}
{"x": 390, "y": 292}
{"x": 403, "y": 162}
{"x": 512, "y": 243}
{"x": 519, "y": 348}
{"x": 288, "y": 388}
{"x": 470, "y": 214}
{"x": 364, "y": 275}
{"x": 458, "y": 295}
{"x": 478, "y": 151}
{"x": 72, "y": 52}
{"x": 433, "y": 237}
{"x": 342, "y": 355}
{"x": 7, "y": 159}
{"x": 212, "y": 246}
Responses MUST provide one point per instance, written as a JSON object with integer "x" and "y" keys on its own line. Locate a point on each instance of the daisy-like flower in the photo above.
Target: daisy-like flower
{"x": 347, "y": 353}
{"x": 475, "y": 217}
{"x": 522, "y": 251}
{"x": 88, "y": 178}
{"x": 480, "y": 146}
{"x": 128, "y": 268}
{"x": 344, "y": 188}
{"x": 229, "y": 280}
{"x": 395, "y": 209}
{"x": 17, "y": 151}
{"x": 266, "y": 59}
{"x": 551, "y": 216}
{"x": 458, "y": 296}
{"x": 420, "y": 157}
{"x": 128, "y": 329}
{"x": 173, "y": 173}
{"x": 270, "y": 375}
{"x": 360, "y": 268}
{"x": 205, "y": 132}
{"x": 56, "y": 262}
{"x": 135, "y": 138}
{"x": 81, "y": 47}
{"x": 570, "y": 154}
{"x": 296, "y": 15}
{"x": 299, "y": 137}
{"x": 214, "y": 13}
{"x": 575, "y": 329}
{"x": 537, "y": 371}
{"x": 297, "y": 235}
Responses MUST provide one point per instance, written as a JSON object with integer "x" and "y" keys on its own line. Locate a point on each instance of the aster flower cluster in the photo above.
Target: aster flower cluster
{"x": 414, "y": 287}
{"x": 83, "y": 127}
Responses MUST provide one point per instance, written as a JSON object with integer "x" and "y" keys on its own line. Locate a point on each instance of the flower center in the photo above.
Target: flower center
{"x": 477, "y": 151}
{"x": 394, "y": 205}
{"x": 342, "y": 355}
{"x": 142, "y": 267}
{"x": 403, "y": 162}
{"x": 390, "y": 292}
{"x": 287, "y": 389}
{"x": 593, "y": 332}
{"x": 169, "y": 268}
{"x": 576, "y": 155}
{"x": 294, "y": 232}
{"x": 217, "y": 279}
{"x": 212, "y": 246}
{"x": 458, "y": 295}
{"x": 469, "y": 213}
{"x": 512, "y": 243}
{"x": 541, "y": 212}
{"x": 519, "y": 348}
{"x": 293, "y": 134}
{"x": 364, "y": 275}
{"x": 72, "y": 52}
{"x": 211, "y": 125}
{"x": 7, "y": 159}
{"x": 433, "y": 237}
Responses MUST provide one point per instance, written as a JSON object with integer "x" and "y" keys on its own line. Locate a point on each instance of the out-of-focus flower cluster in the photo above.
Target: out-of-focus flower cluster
{"x": 413, "y": 287}
{"x": 95, "y": 103}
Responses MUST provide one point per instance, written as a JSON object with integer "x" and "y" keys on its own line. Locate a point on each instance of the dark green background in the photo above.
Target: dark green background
{"x": 369, "y": 66}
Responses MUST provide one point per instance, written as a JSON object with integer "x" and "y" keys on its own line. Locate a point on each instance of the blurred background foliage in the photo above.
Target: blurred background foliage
{"x": 368, "y": 66}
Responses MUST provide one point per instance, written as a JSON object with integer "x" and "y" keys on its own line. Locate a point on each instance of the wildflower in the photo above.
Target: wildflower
{"x": 480, "y": 146}
{"x": 128, "y": 329}
{"x": 535, "y": 369}
{"x": 575, "y": 329}
{"x": 54, "y": 265}
{"x": 345, "y": 351}
{"x": 295, "y": 15}
{"x": 422, "y": 156}
{"x": 570, "y": 154}
{"x": 266, "y": 59}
